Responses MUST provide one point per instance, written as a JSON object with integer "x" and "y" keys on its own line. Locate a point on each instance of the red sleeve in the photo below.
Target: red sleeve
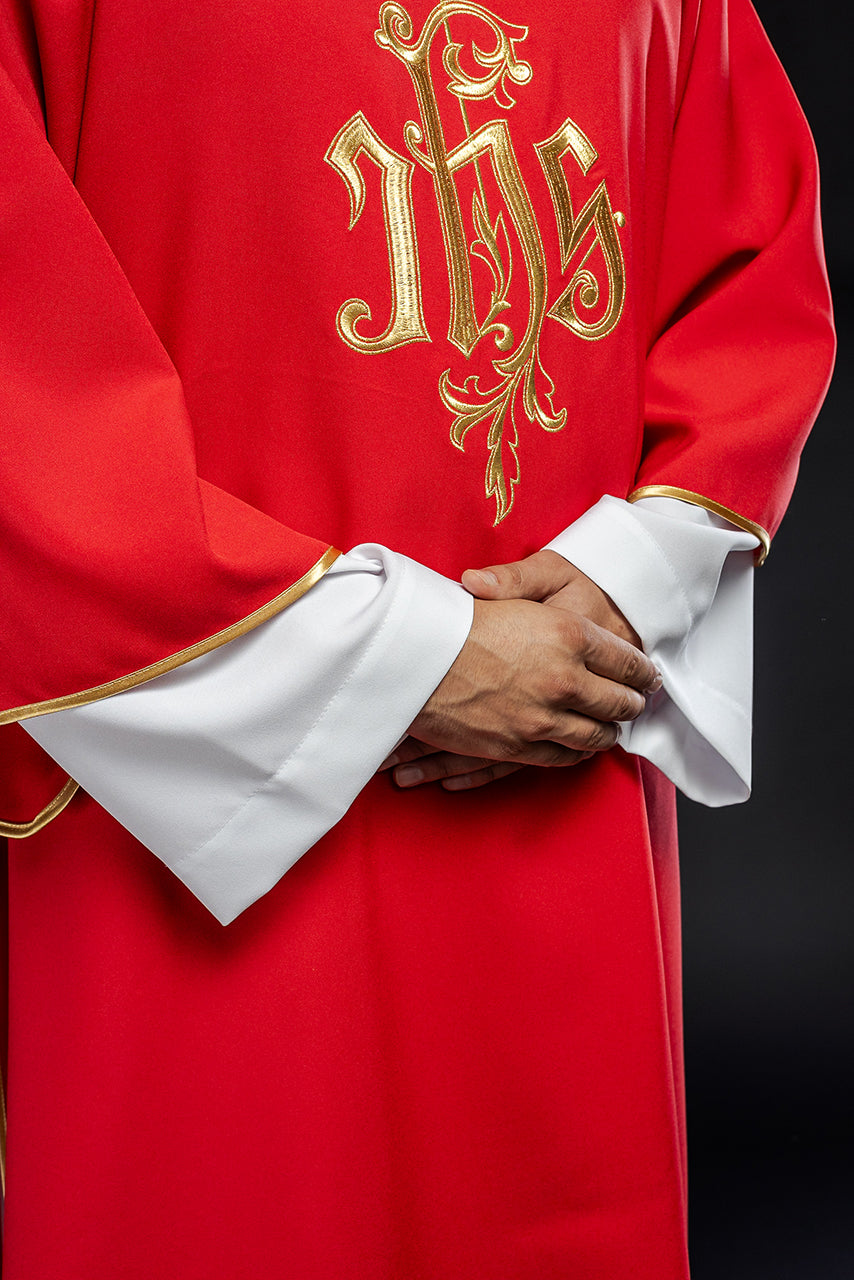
{"x": 116, "y": 560}
{"x": 743, "y": 344}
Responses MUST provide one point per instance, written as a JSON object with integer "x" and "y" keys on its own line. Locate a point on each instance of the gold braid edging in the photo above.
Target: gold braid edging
{"x": 20, "y": 830}
{"x": 709, "y": 504}
{"x": 120, "y": 685}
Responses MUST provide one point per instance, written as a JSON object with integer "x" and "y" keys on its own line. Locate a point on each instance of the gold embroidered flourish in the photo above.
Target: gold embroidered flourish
{"x": 500, "y": 63}
{"x": 487, "y": 246}
{"x": 519, "y": 372}
{"x": 518, "y": 387}
{"x": 497, "y": 405}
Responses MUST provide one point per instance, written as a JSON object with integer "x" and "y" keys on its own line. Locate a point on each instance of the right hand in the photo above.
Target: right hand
{"x": 535, "y": 685}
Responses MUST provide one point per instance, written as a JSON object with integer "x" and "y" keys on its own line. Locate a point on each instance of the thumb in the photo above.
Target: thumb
{"x": 534, "y": 578}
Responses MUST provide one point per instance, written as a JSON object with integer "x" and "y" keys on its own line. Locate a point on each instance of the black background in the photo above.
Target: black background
{"x": 769, "y": 886}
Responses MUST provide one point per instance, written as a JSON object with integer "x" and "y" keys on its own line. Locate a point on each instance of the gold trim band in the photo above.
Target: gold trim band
{"x": 20, "y": 830}
{"x": 716, "y": 508}
{"x": 299, "y": 588}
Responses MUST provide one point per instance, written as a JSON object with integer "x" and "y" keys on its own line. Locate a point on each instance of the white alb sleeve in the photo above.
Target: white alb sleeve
{"x": 684, "y": 580}
{"x": 232, "y": 766}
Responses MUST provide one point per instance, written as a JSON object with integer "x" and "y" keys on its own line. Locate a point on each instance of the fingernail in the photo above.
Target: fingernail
{"x": 409, "y": 776}
{"x": 487, "y": 576}
{"x": 656, "y": 684}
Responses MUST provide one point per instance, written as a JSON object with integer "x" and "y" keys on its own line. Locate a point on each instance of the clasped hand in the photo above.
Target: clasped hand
{"x": 549, "y": 668}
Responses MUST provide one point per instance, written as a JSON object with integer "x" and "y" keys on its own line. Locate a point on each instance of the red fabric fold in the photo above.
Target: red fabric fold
{"x": 743, "y": 346}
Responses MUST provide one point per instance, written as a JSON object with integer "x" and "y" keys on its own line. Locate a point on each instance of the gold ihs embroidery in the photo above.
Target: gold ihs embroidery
{"x": 395, "y": 29}
{"x": 518, "y": 384}
{"x": 518, "y": 371}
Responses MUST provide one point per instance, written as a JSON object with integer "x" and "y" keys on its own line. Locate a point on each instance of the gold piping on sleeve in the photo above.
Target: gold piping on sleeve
{"x": 716, "y": 508}
{"x": 20, "y": 830}
{"x": 120, "y": 685}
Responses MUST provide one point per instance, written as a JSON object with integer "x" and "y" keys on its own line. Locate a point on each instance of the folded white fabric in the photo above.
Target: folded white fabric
{"x": 684, "y": 579}
{"x": 232, "y": 766}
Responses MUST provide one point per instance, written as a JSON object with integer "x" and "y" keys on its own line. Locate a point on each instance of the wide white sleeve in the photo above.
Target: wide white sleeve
{"x": 232, "y": 766}
{"x": 684, "y": 580}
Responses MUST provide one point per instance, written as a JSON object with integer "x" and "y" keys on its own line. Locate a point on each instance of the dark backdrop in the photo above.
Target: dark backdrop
{"x": 769, "y": 886}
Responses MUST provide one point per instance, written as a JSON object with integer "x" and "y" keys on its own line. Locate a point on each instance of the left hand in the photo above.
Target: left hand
{"x": 548, "y": 577}
{"x": 544, "y": 576}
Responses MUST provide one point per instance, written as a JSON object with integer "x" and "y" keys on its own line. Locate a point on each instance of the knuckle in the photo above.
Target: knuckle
{"x": 574, "y": 631}
{"x": 588, "y": 634}
{"x": 533, "y": 724}
{"x": 561, "y": 687}
{"x": 542, "y": 726}
{"x": 634, "y": 666}
{"x": 598, "y": 737}
{"x": 517, "y": 577}
{"x": 631, "y": 705}
{"x": 509, "y": 749}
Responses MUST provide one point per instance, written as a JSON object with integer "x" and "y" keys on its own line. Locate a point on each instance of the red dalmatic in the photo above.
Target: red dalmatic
{"x": 276, "y": 277}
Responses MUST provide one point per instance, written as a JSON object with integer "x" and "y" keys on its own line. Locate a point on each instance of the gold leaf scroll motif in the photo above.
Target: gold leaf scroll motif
{"x": 583, "y": 287}
{"x": 519, "y": 373}
{"x": 521, "y": 385}
{"x": 406, "y": 323}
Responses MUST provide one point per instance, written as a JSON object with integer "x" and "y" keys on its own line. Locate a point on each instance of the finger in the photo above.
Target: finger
{"x": 409, "y": 749}
{"x": 501, "y": 769}
{"x": 534, "y": 578}
{"x": 437, "y": 766}
{"x": 572, "y": 687}
{"x": 446, "y": 764}
{"x": 546, "y": 754}
{"x": 581, "y": 695}
{"x": 583, "y": 734}
{"x": 458, "y": 773}
{"x": 607, "y": 655}
{"x": 480, "y": 777}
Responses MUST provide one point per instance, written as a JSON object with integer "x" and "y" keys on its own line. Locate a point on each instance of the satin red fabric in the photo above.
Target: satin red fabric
{"x": 447, "y": 1044}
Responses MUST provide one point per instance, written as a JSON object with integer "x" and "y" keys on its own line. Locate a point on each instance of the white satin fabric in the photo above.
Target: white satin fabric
{"x": 684, "y": 579}
{"x": 234, "y": 765}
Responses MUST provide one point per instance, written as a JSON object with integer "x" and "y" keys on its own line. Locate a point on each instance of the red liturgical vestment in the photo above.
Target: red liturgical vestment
{"x": 280, "y": 278}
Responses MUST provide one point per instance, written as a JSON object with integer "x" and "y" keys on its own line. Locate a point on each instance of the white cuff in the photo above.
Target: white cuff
{"x": 232, "y": 766}
{"x": 684, "y": 580}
